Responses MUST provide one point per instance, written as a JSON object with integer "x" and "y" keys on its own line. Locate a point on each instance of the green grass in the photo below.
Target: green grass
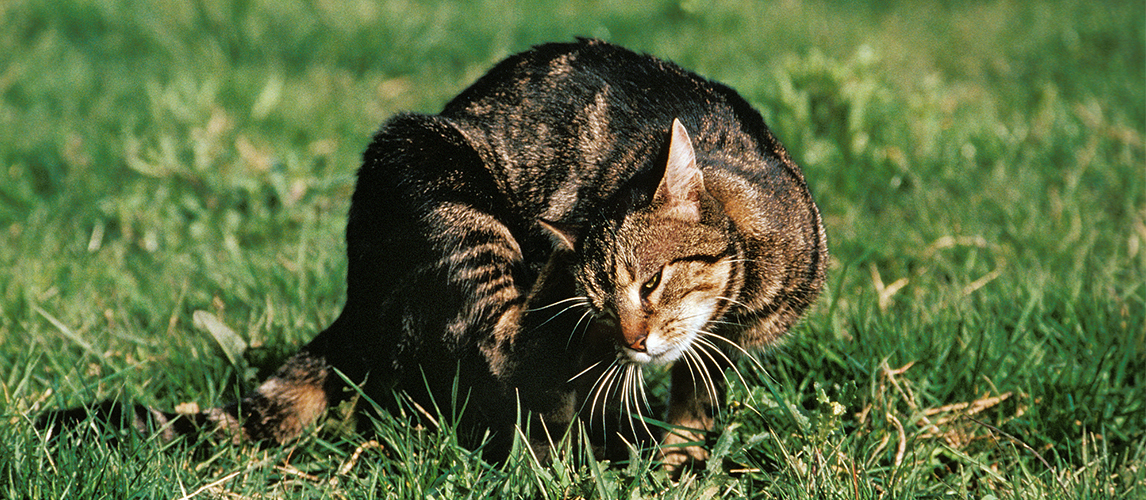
{"x": 981, "y": 167}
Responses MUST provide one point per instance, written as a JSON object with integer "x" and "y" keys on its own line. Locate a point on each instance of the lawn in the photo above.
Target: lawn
{"x": 981, "y": 168}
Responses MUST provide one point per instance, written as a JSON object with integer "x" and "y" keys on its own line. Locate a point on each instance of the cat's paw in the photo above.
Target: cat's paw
{"x": 678, "y": 452}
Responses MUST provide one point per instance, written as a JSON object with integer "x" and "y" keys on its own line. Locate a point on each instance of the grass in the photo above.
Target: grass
{"x": 981, "y": 167}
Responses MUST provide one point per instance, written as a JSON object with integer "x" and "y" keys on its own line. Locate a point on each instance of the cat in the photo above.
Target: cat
{"x": 578, "y": 213}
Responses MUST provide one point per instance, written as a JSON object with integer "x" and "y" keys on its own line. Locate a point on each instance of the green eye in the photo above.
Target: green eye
{"x": 651, "y": 284}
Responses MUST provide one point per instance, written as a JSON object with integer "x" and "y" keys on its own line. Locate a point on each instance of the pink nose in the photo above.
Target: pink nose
{"x": 638, "y": 344}
{"x": 634, "y": 335}
{"x": 634, "y": 332}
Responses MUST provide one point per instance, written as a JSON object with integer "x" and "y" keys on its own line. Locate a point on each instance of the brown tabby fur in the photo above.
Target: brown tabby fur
{"x": 579, "y": 212}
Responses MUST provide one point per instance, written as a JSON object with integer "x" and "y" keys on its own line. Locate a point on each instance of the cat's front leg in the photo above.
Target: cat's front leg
{"x": 693, "y": 401}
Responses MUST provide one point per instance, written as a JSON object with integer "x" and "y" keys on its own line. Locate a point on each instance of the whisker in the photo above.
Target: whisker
{"x": 689, "y": 363}
{"x": 595, "y": 390}
{"x": 706, "y": 377}
{"x": 729, "y": 323}
{"x": 592, "y": 366}
{"x": 687, "y": 318}
{"x": 733, "y": 301}
{"x": 643, "y": 394}
{"x": 756, "y": 364}
{"x": 580, "y": 301}
{"x": 604, "y": 389}
{"x": 626, "y": 396}
{"x": 609, "y": 391}
{"x": 697, "y": 368}
{"x": 734, "y": 345}
{"x": 639, "y": 398}
{"x": 710, "y": 346}
{"x": 704, "y": 347}
{"x": 563, "y": 311}
{"x": 615, "y": 377}
{"x": 708, "y": 343}
{"x": 587, "y": 314}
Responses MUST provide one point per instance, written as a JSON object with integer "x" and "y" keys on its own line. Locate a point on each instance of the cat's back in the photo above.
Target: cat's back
{"x": 557, "y": 79}
{"x": 564, "y": 124}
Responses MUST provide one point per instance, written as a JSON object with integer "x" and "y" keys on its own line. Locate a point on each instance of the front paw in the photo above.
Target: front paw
{"x": 681, "y": 449}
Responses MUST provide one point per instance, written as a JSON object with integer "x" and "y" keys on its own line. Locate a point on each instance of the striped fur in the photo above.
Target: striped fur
{"x": 577, "y": 213}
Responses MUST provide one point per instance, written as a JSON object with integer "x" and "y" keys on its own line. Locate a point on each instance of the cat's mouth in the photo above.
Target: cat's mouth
{"x": 658, "y": 351}
{"x": 654, "y": 349}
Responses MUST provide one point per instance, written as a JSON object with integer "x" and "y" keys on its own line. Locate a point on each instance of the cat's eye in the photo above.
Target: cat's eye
{"x": 652, "y": 284}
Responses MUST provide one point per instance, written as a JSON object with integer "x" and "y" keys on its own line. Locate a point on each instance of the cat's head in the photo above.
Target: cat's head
{"x": 659, "y": 271}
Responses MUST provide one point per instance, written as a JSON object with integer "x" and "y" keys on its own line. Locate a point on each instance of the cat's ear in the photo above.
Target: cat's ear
{"x": 564, "y": 235}
{"x": 680, "y": 189}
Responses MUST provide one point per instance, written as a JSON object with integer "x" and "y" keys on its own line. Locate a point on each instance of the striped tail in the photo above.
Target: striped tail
{"x": 278, "y": 410}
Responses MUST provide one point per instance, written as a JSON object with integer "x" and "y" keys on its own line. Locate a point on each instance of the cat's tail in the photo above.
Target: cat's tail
{"x": 278, "y": 410}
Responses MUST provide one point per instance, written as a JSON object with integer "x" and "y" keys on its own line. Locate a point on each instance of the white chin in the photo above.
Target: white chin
{"x": 641, "y": 358}
{"x": 660, "y": 352}
{"x": 646, "y": 358}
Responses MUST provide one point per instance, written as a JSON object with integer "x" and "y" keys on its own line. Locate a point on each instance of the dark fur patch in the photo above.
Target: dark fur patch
{"x": 491, "y": 245}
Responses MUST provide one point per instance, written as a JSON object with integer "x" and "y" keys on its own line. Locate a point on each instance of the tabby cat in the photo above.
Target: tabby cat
{"x": 578, "y": 213}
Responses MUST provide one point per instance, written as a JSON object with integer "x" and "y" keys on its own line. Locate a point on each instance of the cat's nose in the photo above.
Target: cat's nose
{"x": 634, "y": 332}
{"x": 639, "y": 344}
{"x": 636, "y": 340}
